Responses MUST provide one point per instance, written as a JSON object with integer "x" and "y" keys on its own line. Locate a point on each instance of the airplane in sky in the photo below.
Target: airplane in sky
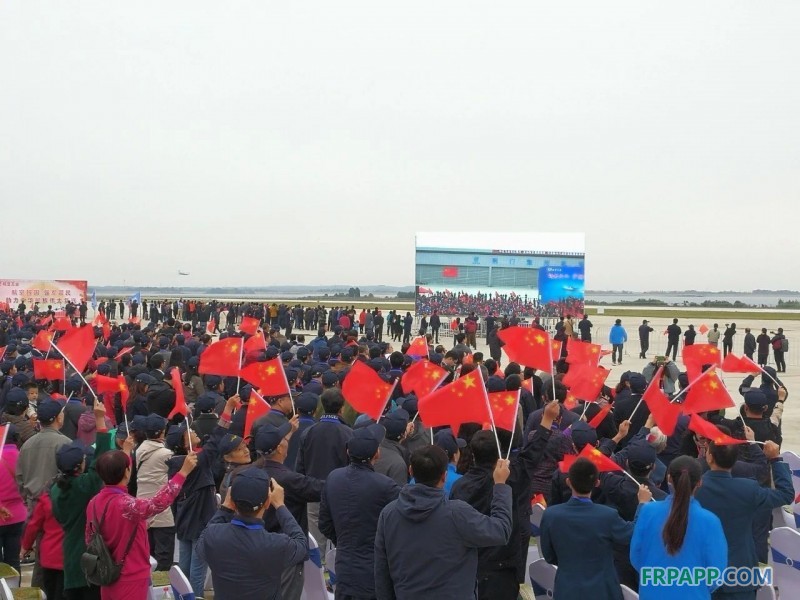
{"x": 182, "y": 272}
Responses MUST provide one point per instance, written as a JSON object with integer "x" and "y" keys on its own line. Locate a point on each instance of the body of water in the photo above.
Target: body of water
{"x": 768, "y": 300}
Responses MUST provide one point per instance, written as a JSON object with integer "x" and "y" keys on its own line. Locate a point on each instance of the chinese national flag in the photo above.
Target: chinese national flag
{"x": 709, "y": 431}
{"x": 450, "y": 272}
{"x": 222, "y": 358}
{"x": 707, "y": 393}
{"x": 180, "y": 397}
{"x": 99, "y": 319}
{"x": 528, "y": 347}
{"x": 257, "y": 407}
{"x": 703, "y": 329}
{"x": 570, "y": 401}
{"x": 52, "y": 368}
{"x": 463, "y": 401}
{"x": 600, "y": 460}
{"x": 366, "y": 391}
{"x": 665, "y": 414}
{"x": 249, "y": 325}
{"x": 555, "y": 346}
{"x": 422, "y": 378}
{"x": 212, "y": 325}
{"x": 590, "y": 384}
{"x": 600, "y": 416}
{"x": 268, "y": 377}
{"x": 105, "y": 384}
{"x": 123, "y": 352}
{"x": 419, "y": 347}
{"x": 77, "y": 346}
{"x": 41, "y": 341}
{"x": 256, "y": 342}
{"x": 124, "y": 393}
{"x": 504, "y": 407}
{"x": 2, "y": 351}
{"x": 62, "y": 324}
{"x": 697, "y": 355}
{"x": 528, "y": 384}
{"x": 45, "y": 322}
{"x": 579, "y": 352}
{"x": 739, "y": 364}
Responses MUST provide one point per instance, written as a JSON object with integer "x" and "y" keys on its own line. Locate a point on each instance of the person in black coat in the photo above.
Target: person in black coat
{"x": 495, "y": 343}
{"x": 778, "y": 345}
{"x": 624, "y": 408}
{"x": 673, "y": 339}
{"x": 436, "y": 323}
{"x": 727, "y": 339}
{"x": 585, "y": 327}
{"x": 644, "y": 338}
{"x": 689, "y": 335}
{"x": 763, "y": 343}
{"x": 749, "y": 343}
{"x": 502, "y": 568}
{"x": 352, "y": 501}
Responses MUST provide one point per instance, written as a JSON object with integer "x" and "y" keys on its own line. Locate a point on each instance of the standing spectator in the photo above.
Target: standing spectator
{"x": 408, "y": 321}
{"x": 569, "y": 328}
{"x": 495, "y": 343}
{"x": 436, "y": 323}
{"x": 673, "y": 339}
{"x": 617, "y": 336}
{"x": 12, "y": 507}
{"x": 690, "y": 536}
{"x": 585, "y": 327}
{"x": 779, "y": 347}
{"x": 727, "y": 339}
{"x": 688, "y": 336}
{"x": 713, "y": 336}
{"x": 644, "y": 338}
{"x": 421, "y": 519}
{"x": 122, "y": 521}
{"x": 50, "y": 548}
{"x": 749, "y": 343}
{"x": 763, "y": 341}
{"x": 471, "y": 328}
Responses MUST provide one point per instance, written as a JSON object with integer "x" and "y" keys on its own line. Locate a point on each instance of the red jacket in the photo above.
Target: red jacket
{"x": 51, "y": 546}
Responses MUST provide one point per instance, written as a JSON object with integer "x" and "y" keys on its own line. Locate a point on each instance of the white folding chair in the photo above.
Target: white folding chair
{"x": 766, "y": 593}
{"x": 536, "y": 520}
{"x": 5, "y": 591}
{"x": 313, "y": 574}
{"x": 543, "y": 579}
{"x": 628, "y": 593}
{"x": 180, "y": 584}
{"x": 785, "y": 560}
{"x": 793, "y": 460}
{"x": 785, "y": 516}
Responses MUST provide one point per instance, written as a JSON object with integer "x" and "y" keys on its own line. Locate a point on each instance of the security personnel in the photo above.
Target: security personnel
{"x": 673, "y": 339}
{"x": 237, "y": 530}
{"x": 352, "y": 501}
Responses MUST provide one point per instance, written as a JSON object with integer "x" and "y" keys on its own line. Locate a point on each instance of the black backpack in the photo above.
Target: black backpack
{"x": 97, "y": 563}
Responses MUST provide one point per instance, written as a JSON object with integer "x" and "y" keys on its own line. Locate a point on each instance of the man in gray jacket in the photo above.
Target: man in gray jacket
{"x": 422, "y": 519}
{"x": 393, "y": 461}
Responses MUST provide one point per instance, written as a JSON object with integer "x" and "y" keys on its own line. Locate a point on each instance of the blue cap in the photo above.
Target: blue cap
{"x": 229, "y": 443}
{"x": 69, "y": 457}
{"x": 269, "y": 437}
{"x": 145, "y": 378}
{"x": 641, "y": 454}
{"x": 365, "y": 441}
{"x": 212, "y": 381}
{"x": 138, "y": 423}
{"x": 583, "y": 434}
{"x": 174, "y": 437}
{"x": 73, "y": 385}
{"x": 49, "y": 410}
{"x": 755, "y": 398}
{"x": 17, "y": 398}
{"x": 330, "y": 378}
{"x": 307, "y": 403}
{"x": 448, "y": 442}
{"x": 206, "y": 402}
{"x": 155, "y": 423}
{"x": 251, "y": 488}
{"x": 395, "y": 423}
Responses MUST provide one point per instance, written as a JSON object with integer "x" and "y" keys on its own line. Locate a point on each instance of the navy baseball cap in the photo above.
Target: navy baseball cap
{"x": 448, "y": 442}
{"x": 251, "y": 488}
{"x": 70, "y": 456}
{"x": 17, "y": 398}
{"x": 49, "y": 410}
{"x": 395, "y": 423}
{"x": 138, "y": 423}
{"x": 641, "y": 455}
{"x": 755, "y": 398}
{"x": 206, "y": 402}
{"x": 155, "y": 423}
{"x": 212, "y": 381}
{"x": 269, "y": 437}
{"x": 583, "y": 434}
{"x": 145, "y": 378}
{"x": 329, "y": 378}
{"x": 174, "y": 436}
{"x": 365, "y": 441}
{"x": 229, "y": 443}
{"x": 307, "y": 402}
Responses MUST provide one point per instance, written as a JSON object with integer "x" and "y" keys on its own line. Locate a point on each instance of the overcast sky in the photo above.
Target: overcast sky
{"x": 271, "y": 142}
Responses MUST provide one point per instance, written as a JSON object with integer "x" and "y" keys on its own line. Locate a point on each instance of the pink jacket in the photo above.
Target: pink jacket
{"x": 127, "y": 516}
{"x": 9, "y": 491}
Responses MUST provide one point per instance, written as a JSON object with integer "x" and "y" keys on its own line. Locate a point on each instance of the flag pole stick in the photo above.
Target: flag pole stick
{"x": 431, "y": 430}
{"x": 513, "y": 426}
{"x": 491, "y": 418}
{"x": 585, "y": 408}
{"x": 633, "y": 479}
{"x": 635, "y": 408}
{"x": 69, "y": 362}
{"x": 189, "y": 436}
{"x": 239, "y": 376}
{"x": 764, "y": 371}
{"x": 691, "y": 383}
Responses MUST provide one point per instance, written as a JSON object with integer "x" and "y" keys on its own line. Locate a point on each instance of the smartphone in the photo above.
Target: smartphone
{"x": 660, "y": 360}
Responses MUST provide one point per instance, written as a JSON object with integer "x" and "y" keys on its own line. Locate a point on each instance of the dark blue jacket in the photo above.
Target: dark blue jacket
{"x": 578, "y": 538}
{"x": 737, "y": 502}
{"x": 299, "y": 490}
{"x": 352, "y": 501}
{"x": 427, "y": 546}
{"x": 323, "y": 447}
{"x": 305, "y": 422}
{"x": 230, "y": 539}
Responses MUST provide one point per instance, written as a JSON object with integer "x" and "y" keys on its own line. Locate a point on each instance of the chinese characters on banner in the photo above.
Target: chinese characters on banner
{"x": 56, "y": 292}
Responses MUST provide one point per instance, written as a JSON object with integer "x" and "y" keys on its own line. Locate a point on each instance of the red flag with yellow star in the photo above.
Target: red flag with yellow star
{"x": 41, "y": 341}
{"x": 212, "y": 325}
{"x": 590, "y": 383}
{"x": 504, "y": 407}
{"x": 249, "y": 325}
{"x": 422, "y": 378}
{"x": 124, "y": 392}
{"x": 579, "y": 352}
{"x": 62, "y": 324}
{"x": 123, "y": 352}
{"x": 697, "y": 355}
{"x": 256, "y": 342}
{"x": 555, "y": 347}
{"x": 739, "y": 364}
{"x": 709, "y": 431}
{"x": 366, "y": 392}
{"x": 463, "y": 401}
{"x": 256, "y": 407}
{"x": 52, "y": 368}
{"x": 665, "y": 414}
{"x": 222, "y": 358}
{"x": 597, "y": 458}
{"x": 600, "y": 416}
{"x": 528, "y": 347}
{"x": 268, "y": 376}
{"x": 707, "y": 393}
{"x": 180, "y": 396}
{"x": 77, "y": 346}
{"x": 418, "y": 347}
{"x": 570, "y": 402}
{"x": 703, "y": 329}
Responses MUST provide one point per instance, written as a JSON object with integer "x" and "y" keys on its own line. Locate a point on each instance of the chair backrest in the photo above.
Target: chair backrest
{"x": 785, "y": 560}
{"x": 5, "y": 591}
{"x": 543, "y": 579}
{"x": 313, "y": 575}
{"x": 628, "y": 593}
{"x": 766, "y": 593}
{"x": 6, "y": 570}
{"x": 537, "y": 510}
{"x": 785, "y": 518}
{"x": 793, "y": 460}
{"x": 180, "y": 584}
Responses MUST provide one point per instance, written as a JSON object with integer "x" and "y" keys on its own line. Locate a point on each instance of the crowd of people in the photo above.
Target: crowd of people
{"x": 448, "y": 303}
{"x": 412, "y": 512}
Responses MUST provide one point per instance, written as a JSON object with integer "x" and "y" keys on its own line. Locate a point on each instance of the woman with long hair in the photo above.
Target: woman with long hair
{"x": 678, "y": 533}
